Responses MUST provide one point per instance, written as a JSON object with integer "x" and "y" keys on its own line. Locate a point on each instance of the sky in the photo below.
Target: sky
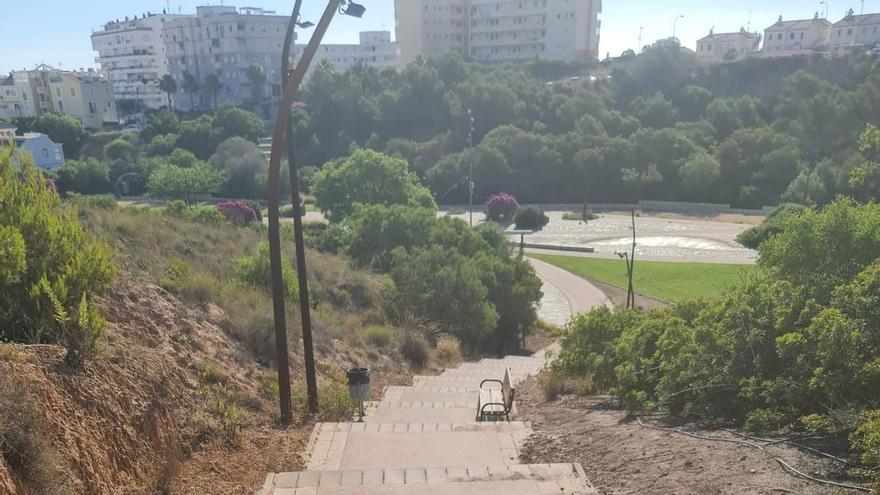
{"x": 56, "y": 32}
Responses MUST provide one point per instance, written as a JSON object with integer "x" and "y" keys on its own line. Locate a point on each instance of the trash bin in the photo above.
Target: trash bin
{"x": 359, "y": 386}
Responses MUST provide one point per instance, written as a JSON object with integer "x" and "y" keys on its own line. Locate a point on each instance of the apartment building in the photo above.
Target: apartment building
{"x": 498, "y": 31}
{"x": 132, "y": 54}
{"x": 85, "y": 95}
{"x": 727, "y": 47}
{"x": 855, "y": 33}
{"x": 241, "y": 46}
{"x": 799, "y": 37}
{"x": 375, "y": 49}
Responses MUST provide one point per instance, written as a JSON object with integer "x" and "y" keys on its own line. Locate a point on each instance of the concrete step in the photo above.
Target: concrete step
{"x": 520, "y": 479}
{"x": 423, "y": 394}
{"x": 411, "y": 445}
{"x": 422, "y": 411}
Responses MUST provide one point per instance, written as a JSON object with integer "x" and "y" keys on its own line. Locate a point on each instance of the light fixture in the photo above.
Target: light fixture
{"x": 305, "y": 24}
{"x": 354, "y": 9}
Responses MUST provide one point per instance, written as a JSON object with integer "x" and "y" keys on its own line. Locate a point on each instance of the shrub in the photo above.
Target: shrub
{"x": 237, "y": 212}
{"x": 23, "y": 445}
{"x": 581, "y": 216}
{"x": 772, "y": 225}
{"x": 551, "y": 385}
{"x": 501, "y": 207}
{"x": 173, "y": 182}
{"x": 87, "y": 177}
{"x": 51, "y": 268}
{"x": 254, "y": 271}
{"x": 448, "y": 351}
{"x": 334, "y": 402}
{"x": 180, "y": 279}
{"x": 414, "y": 348}
{"x": 92, "y": 201}
{"x": 379, "y": 336}
{"x": 530, "y": 217}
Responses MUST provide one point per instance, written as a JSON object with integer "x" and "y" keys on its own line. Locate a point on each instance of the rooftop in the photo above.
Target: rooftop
{"x": 721, "y": 37}
{"x": 857, "y": 20}
{"x": 6, "y": 125}
{"x": 798, "y": 24}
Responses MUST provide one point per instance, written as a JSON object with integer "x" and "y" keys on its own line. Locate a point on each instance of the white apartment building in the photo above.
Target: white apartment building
{"x": 801, "y": 37}
{"x": 131, "y": 53}
{"x": 497, "y": 31}
{"x": 727, "y": 47}
{"x": 375, "y": 49}
{"x": 85, "y": 95}
{"x": 226, "y": 41}
{"x": 855, "y": 33}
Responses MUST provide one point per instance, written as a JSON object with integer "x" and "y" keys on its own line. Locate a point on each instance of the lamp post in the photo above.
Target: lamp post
{"x": 826, "y": 9}
{"x": 470, "y": 144}
{"x": 675, "y": 25}
{"x": 283, "y": 134}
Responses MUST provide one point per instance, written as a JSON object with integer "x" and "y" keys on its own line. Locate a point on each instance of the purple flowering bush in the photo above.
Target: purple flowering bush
{"x": 501, "y": 207}
{"x": 237, "y": 212}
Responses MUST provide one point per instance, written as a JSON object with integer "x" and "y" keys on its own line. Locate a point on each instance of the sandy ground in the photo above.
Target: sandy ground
{"x": 621, "y": 457}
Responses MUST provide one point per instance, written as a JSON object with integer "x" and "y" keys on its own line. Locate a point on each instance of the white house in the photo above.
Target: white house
{"x": 800, "y": 37}
{"x": 855, "y": 33}
{"x": 727, "y": 47}
{"x": 47, "y": 154}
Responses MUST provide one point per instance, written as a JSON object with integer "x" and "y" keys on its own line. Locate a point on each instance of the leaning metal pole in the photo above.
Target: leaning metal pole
{"x": 279, "y": 135}
{"x": 302, "y": 276}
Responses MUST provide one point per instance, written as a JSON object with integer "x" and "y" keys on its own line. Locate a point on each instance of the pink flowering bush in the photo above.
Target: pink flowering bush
{"x": 237, "y": 212}
{"x": 501, "y": 207}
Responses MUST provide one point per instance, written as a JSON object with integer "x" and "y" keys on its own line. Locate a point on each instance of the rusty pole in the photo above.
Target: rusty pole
{"x": 279, "y": 136}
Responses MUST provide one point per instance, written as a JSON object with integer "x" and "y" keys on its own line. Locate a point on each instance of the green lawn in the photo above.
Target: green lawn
{"x": 667, "y": 281}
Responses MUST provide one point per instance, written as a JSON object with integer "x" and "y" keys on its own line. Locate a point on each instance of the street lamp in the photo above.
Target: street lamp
{"x": 282, "y": 134}
{"x": 470, "y": 144}
{"x": 675, "y": 25}
{"x": 826, "y": 9}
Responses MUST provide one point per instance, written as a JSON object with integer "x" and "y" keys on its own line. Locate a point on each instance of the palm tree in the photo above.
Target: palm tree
{"x": 191, "y": 85}
{"x": 168, "y": 85}
{"x": 213, "y": 86}
{"x": 257, "y": 78}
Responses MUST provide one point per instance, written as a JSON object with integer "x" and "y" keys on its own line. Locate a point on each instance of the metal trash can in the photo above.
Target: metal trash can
{"x": 359, "y": 386}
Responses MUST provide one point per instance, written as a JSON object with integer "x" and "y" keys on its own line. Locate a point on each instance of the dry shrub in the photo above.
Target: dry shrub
{"x": 414, "y": 348}
{"x": 12, "y": 353}
{"x": 25, "y": 450}
{"x": 448, "y": 351}
{"x": 379, "y": 336}
{"x": 551, "y": 385}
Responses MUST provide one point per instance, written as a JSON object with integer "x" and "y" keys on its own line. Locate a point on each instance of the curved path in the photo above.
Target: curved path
{"x": 578, "y": 295}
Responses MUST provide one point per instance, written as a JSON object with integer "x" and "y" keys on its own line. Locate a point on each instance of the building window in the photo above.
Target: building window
{"x": 92, "y": 107}
{"x": 72, "y": 91}
{"x": 45, "y": 153}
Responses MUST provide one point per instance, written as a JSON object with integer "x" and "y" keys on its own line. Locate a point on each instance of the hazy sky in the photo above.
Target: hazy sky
{"x": 57, "y": 32}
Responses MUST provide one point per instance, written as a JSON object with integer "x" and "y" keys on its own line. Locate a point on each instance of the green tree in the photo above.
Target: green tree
{"x": 231, "y": 121}
{"x": 213, "y": 86}
{"x": 191, "y": 86}
{"x": 168, "y": 86}
{"x": 699, "y": 174}
{"x": 693, "y": 101}
{"x": 173, "y": 182}
{"x": 84, "y": 176}
{"x": 199, "y": 136}
{"x": 159, "y": 123}
{"x": 654, "y": 111}
{"x": 367, "y": 177}
{"x": 120, "y": 149}
{"x": 245, "y": 165}
{"x": 61, "y": 128}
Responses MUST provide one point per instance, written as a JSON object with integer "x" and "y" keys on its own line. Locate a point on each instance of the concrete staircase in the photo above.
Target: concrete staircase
{"x": 424, "y": 439}
{"x": 265, "y": 146}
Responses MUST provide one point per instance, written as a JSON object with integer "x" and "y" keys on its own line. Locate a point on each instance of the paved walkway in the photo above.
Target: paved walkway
{"x": 580, "y": 295}
{"x": 424, "y": 439}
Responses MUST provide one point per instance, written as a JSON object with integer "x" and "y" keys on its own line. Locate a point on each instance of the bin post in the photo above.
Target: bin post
{"x": 359, "y": 387}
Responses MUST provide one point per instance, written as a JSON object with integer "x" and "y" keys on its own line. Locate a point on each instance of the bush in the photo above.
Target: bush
{"x": 530, "y": 218}
{"x": 334, "y": 402}
{"x": 581, "y": 216}
{"x": 87, "y": 177}
{"x": 173, "y": 182}
{"x": 772, "y": 225}
{"x": 180, "y": 279}
{"x": 501, "y": 207}
{"x": 254, "y": 271}
{"x": 414, "y": 348}
{"x": 51, "y": 269}
{"x": 448, "y": 351}
{"x": 237, "y": 213}
{"x": 92, "y": 201}
{"x": 379, "y": 336}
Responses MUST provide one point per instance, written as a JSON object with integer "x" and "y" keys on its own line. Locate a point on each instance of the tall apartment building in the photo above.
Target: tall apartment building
{"x": 855, "y": 33}
{"x": 800, "y": 37}
{"x": 131, "y": 53}
{"x": 727, "y": 47}
{"x": 85, "y": 95}
{"x": 228, "y": 42}
{"x": 496, "y": 31}
{"x": 375, "y": 49}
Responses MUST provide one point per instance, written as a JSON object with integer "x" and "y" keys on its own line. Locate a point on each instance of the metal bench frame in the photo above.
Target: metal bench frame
{"x": 507, "y": 394}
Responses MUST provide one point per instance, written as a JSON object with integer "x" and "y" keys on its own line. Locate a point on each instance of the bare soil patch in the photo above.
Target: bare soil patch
{"x": 621, "y": 457}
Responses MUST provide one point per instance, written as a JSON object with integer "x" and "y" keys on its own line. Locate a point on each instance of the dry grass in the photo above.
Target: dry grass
{"x": 448, "y": 352}
{"x": 13, "y": 353}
